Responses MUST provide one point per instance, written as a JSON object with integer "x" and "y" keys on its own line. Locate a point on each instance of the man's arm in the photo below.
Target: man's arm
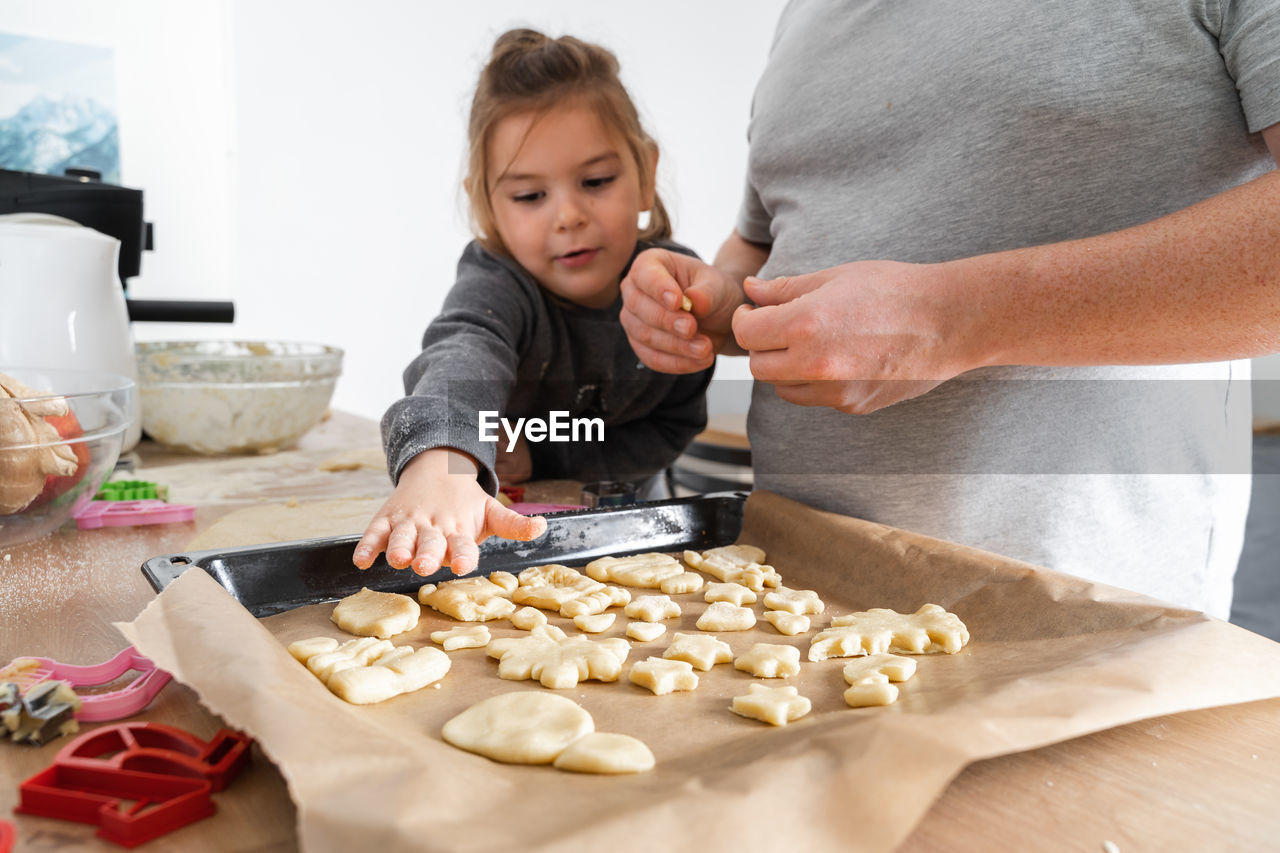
{"x": 1201, "y": 284}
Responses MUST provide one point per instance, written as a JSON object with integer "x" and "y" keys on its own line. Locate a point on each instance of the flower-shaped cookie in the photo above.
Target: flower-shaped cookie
{"x": 558, "y": 661}
{"x": 927, "y": 631}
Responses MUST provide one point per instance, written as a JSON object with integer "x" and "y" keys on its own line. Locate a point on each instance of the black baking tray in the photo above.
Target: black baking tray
{"x": 273, "y": 578}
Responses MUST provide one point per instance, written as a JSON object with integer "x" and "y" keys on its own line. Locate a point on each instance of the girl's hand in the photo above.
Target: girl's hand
{"x": 516, "y": 466}
{"x": 437, "y": 516}
{"x": 666, "y": 337}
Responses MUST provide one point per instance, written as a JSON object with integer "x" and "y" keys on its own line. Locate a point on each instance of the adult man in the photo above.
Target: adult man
{"x": 1085, "y": 224}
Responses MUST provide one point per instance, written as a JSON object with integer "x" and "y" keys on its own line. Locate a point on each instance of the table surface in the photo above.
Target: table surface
{"x": 1203, "y": 780}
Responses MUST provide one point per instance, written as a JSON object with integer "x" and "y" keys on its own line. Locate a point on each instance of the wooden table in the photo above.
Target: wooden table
{"x": 1205, "y": 780}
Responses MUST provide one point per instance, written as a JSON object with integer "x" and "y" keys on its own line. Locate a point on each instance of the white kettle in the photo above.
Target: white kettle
{"x": 61, "y": 301}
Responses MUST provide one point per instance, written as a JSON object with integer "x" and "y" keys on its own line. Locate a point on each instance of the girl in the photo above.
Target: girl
{"x": 559, "y": 173}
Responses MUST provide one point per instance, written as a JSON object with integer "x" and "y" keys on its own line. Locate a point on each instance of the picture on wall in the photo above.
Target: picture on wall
{"x": 57, "y": 107}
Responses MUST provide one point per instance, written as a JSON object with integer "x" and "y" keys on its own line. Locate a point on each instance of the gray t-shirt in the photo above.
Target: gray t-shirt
{"x": 503, "y": 344}
{"x": 928, "y": 132}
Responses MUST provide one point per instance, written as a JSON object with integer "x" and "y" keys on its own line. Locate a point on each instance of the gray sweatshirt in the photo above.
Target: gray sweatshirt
{"x": 501, "y": 343}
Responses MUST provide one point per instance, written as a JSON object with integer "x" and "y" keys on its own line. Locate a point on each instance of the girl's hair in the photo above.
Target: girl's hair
{"x": 529, "y": 71}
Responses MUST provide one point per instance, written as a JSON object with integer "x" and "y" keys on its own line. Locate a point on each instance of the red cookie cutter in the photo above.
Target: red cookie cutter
{"x": 7, "y": 836}
{"x": 100, "y": 707}
{"x": 166, "y": 773}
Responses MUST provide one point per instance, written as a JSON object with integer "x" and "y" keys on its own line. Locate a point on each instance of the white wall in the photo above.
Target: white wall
{"x": 303, "y": 158}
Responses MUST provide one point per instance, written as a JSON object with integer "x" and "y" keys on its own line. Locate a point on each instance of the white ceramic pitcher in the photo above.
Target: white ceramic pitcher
{"x": 61, "y": 301}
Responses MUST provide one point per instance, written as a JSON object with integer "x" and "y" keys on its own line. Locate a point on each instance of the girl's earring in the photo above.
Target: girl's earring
{"x": 646, "y": 216}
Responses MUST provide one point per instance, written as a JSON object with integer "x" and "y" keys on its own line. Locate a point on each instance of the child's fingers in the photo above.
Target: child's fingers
{"x": 501, "y": 521}
{"x": 431, "y": 550}
{"x": 464, "y": 554}
{"x": 371, "y": 543}
{"x": 400, "y": 545}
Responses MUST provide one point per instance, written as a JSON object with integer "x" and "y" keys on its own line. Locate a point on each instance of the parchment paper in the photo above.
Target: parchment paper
{"x": 1052, "y": 657}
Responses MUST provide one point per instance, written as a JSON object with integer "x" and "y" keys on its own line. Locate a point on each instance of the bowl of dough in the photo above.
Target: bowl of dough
{"x": 61, "y": 432}
{"x": 226, "y": 397}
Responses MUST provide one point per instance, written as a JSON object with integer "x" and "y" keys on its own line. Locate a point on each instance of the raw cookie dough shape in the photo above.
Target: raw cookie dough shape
{"x": 606, "y": 752}
{"x": 369, "y": 670}
{"x": 682, "y": 583}
{"x": 566, "y": 591}
{"x": 927, "y": 631}
{"x": 645, "y": 632}
{"x": 653, "y": 608}
{"x": 774, "y": 705}
{"x": 724, "y": 616}
{"x": 472, "y": 599}
{"x": 869, "y": 677}
{"x": 647, "y": 571}
{"x": 742, "y": 564}
{"x": 702, "y": 650}
{"x": 528, "y": 618}
{"x": 787, "y": 623}
{"x": 664, "y": 675}
{"x": 523, "y": 727}
{"x": 801, "y": 602}
{"x": 376, "y": 614}
{"x": 769, "y": 660}
{"x": 595, "y": 623}
{"x": 734, "y": 593}
{"x": 462, "y": 637}
{"x": 558, "y": 661}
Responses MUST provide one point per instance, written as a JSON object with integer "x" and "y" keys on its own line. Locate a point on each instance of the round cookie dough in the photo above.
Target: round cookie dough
{"x": 524, "y": 727}
{"x": 606, "y": 752}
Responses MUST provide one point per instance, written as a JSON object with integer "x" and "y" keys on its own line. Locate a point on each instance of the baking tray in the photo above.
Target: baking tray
{"x": 269, "y": 579}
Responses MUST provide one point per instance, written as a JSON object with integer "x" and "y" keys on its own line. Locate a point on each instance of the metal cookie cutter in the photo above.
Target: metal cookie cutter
{"x": 27, "y": 672}
{"x": 167, "y": 774}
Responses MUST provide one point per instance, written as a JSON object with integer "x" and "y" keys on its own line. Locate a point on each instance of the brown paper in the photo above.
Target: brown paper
{"x": 1051, "y": 657}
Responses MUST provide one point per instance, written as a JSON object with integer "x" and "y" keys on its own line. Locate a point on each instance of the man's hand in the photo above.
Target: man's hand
{"x": 857, "y": 337}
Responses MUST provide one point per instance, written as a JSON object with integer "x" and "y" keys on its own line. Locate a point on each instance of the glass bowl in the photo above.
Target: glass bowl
{"x": 222, "y": 397}
{"x": 88, "y": 434}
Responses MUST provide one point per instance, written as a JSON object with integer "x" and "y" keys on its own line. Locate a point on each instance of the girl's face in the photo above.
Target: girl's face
{"x": 567, "y": 200}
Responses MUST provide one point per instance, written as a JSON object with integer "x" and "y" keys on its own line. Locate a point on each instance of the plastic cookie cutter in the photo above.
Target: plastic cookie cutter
{"x": 132, "y": 490}
{"x": 27, "y": 672}
{"x": 165, "y": 774}
{"x": 7, "y": 836}
{"x": 116, "y": 513}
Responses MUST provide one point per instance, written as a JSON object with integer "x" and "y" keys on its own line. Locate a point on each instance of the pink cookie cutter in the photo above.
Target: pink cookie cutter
{"x": 96, "y": 707}
{"x": 131, "y": 513}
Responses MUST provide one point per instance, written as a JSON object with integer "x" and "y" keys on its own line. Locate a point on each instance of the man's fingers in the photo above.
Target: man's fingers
{"x": 778, "y": 291}
{"x": 760, "y": 329}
